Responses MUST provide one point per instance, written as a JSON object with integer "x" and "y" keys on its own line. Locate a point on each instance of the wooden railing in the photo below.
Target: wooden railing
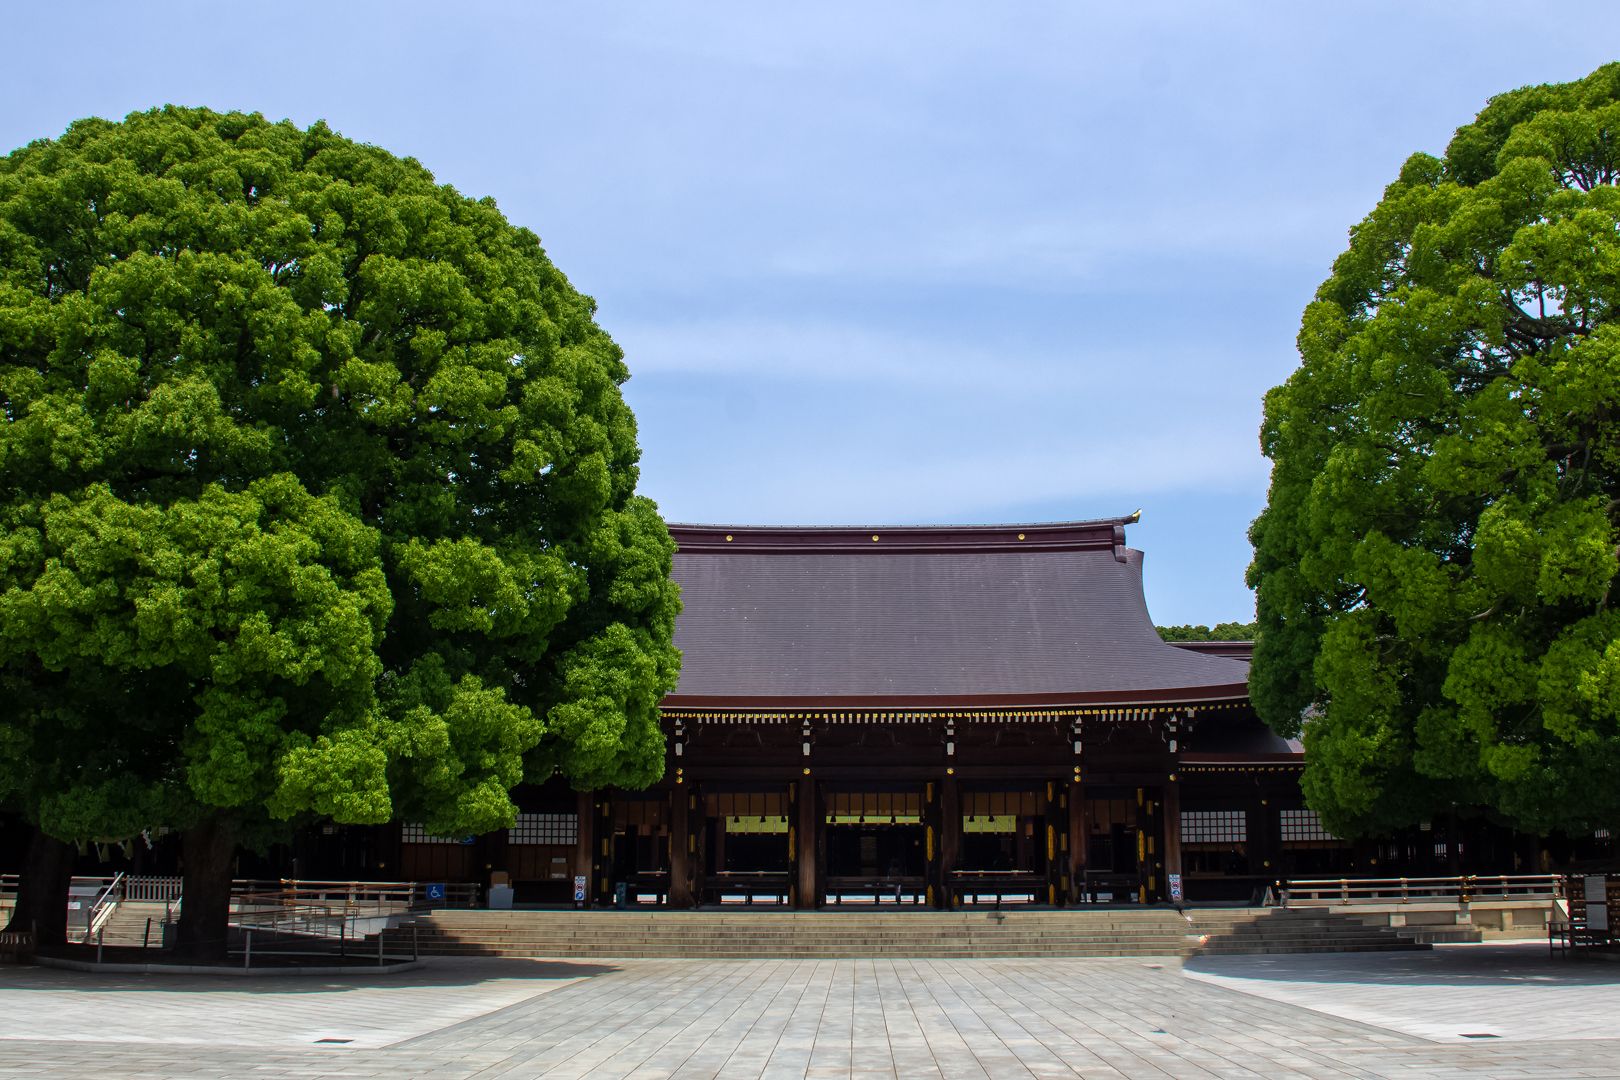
{"x": 1463, "y": 889}
{"x": 152, "y": 890}
{"x": 377, "y": 896}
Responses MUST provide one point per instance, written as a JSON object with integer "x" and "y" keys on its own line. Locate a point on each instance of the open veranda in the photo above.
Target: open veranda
{"x": 1467, "y": 1010}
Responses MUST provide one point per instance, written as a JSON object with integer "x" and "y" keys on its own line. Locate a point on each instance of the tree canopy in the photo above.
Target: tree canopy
{"x": 1435, "y": 564}
{"x": 319, "y": 493}
{"x": 1223, "y": 631}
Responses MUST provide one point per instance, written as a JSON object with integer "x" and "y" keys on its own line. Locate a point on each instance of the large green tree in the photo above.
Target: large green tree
{"x": 318, "y": 501}
{"x": 1436, "y": 562}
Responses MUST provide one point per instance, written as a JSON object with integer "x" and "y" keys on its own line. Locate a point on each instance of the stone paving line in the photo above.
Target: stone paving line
{"x": 641, "y": 1019}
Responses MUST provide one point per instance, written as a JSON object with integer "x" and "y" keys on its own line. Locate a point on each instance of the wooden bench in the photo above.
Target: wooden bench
{"x": 747, "y": 884}
{"x": 878, "y": 887}
{"x": 968, "y": 885}
{"x": 1121, "y": 888}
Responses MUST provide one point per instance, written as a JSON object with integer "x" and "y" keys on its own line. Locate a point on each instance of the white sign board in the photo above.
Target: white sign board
{"x": 1597, "y": 902}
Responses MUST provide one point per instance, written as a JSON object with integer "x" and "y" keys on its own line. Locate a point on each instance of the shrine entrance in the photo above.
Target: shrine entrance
{"x": 745, "y": 848}
{"x": 876, "y": 847}
{"x": 1124, "y": 846}
{"x": 638, "y": 850}
{"x": 1007, "y": 851}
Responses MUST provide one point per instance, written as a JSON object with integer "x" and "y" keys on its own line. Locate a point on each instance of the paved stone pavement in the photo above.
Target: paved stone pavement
{"x": 1512, "y": 992}
{"x": 1378, "y": 1015}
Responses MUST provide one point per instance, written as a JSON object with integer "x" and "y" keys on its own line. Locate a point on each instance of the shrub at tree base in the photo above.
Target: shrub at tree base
{"x": 318, "y": 499}
{"x": 1435, "y": 566}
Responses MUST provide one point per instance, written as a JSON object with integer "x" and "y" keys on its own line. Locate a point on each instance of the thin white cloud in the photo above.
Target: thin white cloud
{"x": 824, "y": 352}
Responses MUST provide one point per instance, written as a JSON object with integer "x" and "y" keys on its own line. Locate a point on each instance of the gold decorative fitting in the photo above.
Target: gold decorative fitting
{"x": 807, "y": 772}
{"x": 950, "y": 772}
{"x": 874, "y": 538}
{"x": 1020, "y": 536}
{"x": 728, "y": 538}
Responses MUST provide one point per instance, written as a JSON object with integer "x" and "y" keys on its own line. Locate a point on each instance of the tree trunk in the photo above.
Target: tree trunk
{"x": 42, "y": 893}
{"x": 205, "y": 906}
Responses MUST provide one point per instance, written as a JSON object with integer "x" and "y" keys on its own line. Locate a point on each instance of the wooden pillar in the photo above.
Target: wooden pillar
{"x": 1143, "y": 820}
{"x": 584, "y": 843}
{"x": 1172, "y": 836}
{"x": 807, "y": 841}
{"x": 1053, "y": 839}
{"x": 1263, "y": 826}
{"x": 1453, "y": 844}
{"x": 1079, "y": 833}
{"x": 950, "y": 836}
{"x": 935, "y": 881}
{"x": 720, "y": 823}
{"x": 680, "y": 847}
{"x": 603, "y": 866}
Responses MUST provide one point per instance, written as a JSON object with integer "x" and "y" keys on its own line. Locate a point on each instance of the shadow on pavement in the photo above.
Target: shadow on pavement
{"x": 1526, "y": 964}
{"x": 434, "y": 972}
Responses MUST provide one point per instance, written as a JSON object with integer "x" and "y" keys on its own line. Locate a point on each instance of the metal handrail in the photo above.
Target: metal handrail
{"x": 311, "y": 920}
{"x": 103, "y": 907}
{"x": 1462, "y": 889}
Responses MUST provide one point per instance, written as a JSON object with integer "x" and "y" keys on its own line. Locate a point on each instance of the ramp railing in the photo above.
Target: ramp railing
{"x": 1460, "y": 889}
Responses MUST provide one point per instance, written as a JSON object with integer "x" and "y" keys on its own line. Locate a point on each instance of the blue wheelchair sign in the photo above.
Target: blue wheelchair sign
{"x": 435, "y": 891}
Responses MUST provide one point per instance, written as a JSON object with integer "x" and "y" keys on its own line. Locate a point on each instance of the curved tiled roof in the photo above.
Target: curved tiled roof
{"x": 1047, "y": 614}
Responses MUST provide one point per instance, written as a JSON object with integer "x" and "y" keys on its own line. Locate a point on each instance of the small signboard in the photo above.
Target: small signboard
{"x": 579, "y": 888}
{"x": 435, "y": 891}
{"x": 1597, "y": 902}
{"x": 1175, "y": 888}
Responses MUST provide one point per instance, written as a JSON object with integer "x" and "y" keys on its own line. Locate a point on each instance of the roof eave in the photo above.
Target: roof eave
{"x": 1165, "y": 697}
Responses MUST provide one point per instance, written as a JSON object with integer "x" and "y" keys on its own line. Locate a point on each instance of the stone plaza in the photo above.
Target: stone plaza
{"x": 1472, "y": 1010}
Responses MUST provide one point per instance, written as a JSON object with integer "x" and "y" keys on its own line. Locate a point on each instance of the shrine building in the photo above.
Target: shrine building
{"x": 930, "y": 715}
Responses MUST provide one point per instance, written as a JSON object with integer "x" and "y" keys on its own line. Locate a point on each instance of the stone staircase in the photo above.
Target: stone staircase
{"x": 127, "y": 924}
{"x": 917, "y": 935}
{"x": 1220, "y": 931}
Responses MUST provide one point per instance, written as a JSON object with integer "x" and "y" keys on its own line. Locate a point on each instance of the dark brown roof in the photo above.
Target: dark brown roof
{"x": 1048, "y": 614}
{"x": 1229, "y": 742}
{"x": 1235, "y": 650}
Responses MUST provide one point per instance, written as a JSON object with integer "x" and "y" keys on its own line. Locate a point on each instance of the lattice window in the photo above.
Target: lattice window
{"x": 1302, "y": 825}
{"x": 553, "y": 829}
{"x": 1214, "y": 827}
{"x": 417, "y": 834}
{"x": 1600, "y": 834}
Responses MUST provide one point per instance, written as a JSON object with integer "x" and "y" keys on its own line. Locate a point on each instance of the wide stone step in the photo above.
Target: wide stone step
{"x": 643, "y": 952}
{"x": 765, "y": 935}
{"x": 791, "y": 935}
{"x": 887, "y": 935}
{"x": 813, "y": 939}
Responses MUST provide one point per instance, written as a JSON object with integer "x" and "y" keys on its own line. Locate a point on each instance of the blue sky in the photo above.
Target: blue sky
{"x": 892, "y": 262}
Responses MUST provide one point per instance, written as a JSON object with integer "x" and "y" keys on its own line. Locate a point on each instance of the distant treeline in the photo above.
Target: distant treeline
{"x": 1226, "y": 631}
